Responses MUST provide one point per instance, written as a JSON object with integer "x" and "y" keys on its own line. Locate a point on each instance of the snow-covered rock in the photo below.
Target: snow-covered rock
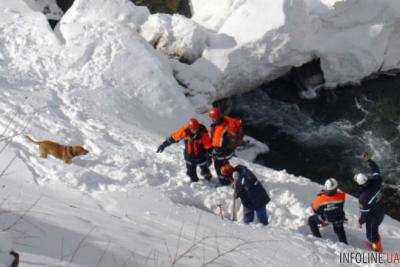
{"x": 197, "y": 88}
{"x": 175, "y": 35}
{"x": 352, "y": 38}
{"x": 250, "y": 149}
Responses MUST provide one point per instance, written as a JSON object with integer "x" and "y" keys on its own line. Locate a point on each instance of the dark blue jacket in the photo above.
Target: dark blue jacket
{"x": 371, "y": 195}
{"x": 249, "y": 189}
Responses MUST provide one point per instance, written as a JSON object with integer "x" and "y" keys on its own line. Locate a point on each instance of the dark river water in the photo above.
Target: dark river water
{"x": 325, "y": 136}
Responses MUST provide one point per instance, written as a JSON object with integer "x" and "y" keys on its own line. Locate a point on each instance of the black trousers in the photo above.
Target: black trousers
{"x": 372, "y": 224}
{"x": 191, "y": 170}
{"x": 218, "y": 162}
{"x": 315, "y": 220}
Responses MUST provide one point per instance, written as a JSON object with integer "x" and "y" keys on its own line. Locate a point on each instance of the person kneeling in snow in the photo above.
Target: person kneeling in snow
{"x": 197, "y": 144}
{"x": 251, "y": 192}
{"x": 370, "y": 200}
{"x": 328, "y": 207}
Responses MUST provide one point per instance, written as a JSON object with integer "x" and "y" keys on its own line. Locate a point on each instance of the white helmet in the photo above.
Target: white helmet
{"x": 360, "y": 178}
{"x": 331, "y": 184}
{"x": 235, "y": 175}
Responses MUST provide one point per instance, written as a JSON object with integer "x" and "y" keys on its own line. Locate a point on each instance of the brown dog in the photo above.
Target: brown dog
{"x": 66, "y": 153}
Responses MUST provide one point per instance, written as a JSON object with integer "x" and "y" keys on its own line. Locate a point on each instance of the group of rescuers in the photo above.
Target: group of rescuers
{"x": 226, "y": 134}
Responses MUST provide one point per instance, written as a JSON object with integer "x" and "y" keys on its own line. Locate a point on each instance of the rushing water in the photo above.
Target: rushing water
{"x": 326, "y": 136}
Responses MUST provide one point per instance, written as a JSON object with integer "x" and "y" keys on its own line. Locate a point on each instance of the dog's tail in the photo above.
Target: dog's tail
{"x": 31, "y": 140}
{"x": 15, "y": 263}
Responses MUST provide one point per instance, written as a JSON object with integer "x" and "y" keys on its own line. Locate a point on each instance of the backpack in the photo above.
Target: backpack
{"x": 235, "y": 132}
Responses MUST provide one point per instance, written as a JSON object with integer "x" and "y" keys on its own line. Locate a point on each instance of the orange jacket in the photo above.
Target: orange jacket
{"x": 330, "y": 207}
{"x": 323, "y": 199}
{"x": 195, "y": 144}
{"x": 229, "y": 126}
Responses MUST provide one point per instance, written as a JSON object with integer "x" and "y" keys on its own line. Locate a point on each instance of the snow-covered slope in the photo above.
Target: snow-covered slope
{"x": 352, "y": 38}
{"x": 98, "y": 83}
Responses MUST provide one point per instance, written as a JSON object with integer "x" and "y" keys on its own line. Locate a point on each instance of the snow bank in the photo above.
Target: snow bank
{"x": 27, "y": 44}
{"x": 100, "y": 53}
{"x": 352, "y": 38}
{"x": 128, "y": 76}
{"x": 176, "y": 36}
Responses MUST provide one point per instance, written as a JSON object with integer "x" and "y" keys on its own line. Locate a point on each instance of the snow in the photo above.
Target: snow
{"x": 98, "y": 83}
{"x": 176, "y": 35}
{"x": 353, "y": 39}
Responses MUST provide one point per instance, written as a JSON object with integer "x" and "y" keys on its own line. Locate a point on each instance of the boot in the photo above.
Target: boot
{"x": 208, "y": 177}
{"x": 313, "y": 223}
{"x": 377, "y": 246}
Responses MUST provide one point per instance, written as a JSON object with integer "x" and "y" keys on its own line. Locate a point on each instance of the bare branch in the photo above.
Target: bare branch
{"x": 148, "y": 257}
{"x": 8, "y": 165}
{"x": 62, "y": 249}
{"x": 178, "y": 244}
{"x": 128, "y": 259}
{"x": 228, "y": 251}
{"x": 167, "y": 248}
{"x": 104, "y": 252}
{"x": 21, "y": 217}
{"x": 80, "y": 244}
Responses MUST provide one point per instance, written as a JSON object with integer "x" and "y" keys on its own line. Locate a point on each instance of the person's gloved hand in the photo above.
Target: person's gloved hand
{"x": 360, "y": 224}
{"x": 366, "y": 156}
{"x": 161, "y": 148}
{"x": 166, "y": 143}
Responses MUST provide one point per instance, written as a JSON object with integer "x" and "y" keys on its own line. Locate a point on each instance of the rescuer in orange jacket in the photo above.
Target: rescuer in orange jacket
{"x": 197, "y": 145}
{"x": 328, "y": 207}
{"x": 226, "y": 135}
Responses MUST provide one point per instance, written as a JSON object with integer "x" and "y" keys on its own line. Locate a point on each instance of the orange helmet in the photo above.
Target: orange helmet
{"x": 214, "y": 113}
{"x": 194, "y": 125}
{"x": 226, "y": 169}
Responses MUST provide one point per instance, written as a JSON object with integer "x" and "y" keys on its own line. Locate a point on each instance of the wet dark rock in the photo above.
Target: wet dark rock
{"x": 64, "y": 4}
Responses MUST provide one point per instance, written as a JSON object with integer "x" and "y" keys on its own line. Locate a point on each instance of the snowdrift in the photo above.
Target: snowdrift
{"x": 97, "y": 82}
